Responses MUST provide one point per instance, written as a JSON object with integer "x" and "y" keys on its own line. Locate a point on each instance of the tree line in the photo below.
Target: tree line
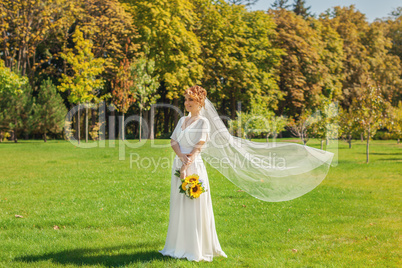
{"x": 284, "y": 62}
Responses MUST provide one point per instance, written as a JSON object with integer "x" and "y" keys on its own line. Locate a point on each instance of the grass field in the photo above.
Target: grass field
{"x": 85, "y": 207}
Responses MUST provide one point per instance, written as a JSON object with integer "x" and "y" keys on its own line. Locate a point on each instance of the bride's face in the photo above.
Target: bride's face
{"x": 191, "y": 104}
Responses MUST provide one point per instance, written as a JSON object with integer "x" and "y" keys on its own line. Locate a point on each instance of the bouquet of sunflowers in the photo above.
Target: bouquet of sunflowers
{"x": 191, "y": 186}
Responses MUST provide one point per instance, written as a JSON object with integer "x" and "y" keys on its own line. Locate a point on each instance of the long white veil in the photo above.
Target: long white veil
{"x": 268, "y": 171}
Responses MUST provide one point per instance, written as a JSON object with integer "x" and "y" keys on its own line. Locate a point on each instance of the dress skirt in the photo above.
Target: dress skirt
{"x": 191, "y": 232}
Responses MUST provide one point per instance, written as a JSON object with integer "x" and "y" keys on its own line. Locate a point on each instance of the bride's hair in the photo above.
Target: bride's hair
{"x": 198, "y": 93}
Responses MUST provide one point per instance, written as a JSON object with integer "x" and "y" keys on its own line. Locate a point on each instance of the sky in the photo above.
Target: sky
{"x": 371, "y": 8}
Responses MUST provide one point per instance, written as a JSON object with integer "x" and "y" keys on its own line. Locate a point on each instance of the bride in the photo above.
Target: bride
{"x": 271, "y": 171}
{"x": 191, "y": 232}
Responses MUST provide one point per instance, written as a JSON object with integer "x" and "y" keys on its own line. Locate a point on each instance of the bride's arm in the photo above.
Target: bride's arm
{"x": 176, "y": 148}
{"x": 196, "y": 150}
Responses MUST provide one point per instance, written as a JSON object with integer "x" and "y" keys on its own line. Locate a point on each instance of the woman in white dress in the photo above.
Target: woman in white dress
{"x": 191, "y": 232}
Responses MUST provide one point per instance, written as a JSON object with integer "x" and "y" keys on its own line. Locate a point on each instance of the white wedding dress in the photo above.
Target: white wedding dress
{"x": 191, "y": 232}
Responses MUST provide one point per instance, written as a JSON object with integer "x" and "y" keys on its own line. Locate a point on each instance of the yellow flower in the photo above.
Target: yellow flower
{"x": 183, "y": 185}
{"x": 192, "y": 179}
{"x": 196, "y": 191}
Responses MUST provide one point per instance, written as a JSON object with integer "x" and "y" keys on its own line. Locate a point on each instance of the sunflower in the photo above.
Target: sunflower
{"x": 192, "y": 179}
{"x": 183, "y": 185}
{"x": 196, "y": 191}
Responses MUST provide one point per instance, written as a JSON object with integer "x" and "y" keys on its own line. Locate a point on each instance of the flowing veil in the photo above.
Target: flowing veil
{"x": 272, "y": 171}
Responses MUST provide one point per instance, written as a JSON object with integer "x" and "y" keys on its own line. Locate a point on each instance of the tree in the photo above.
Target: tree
{"x": 111, "y": 28}
{"x": 393, "y": 31}
{"x": 394, "y": 122}
{"x": 24, "y": 25}
{"x": 280, "y": 4}
{"x": 81, "y": 80}
{"x": 246, "y": 3}
{"x": 370, "y": 108}
{"x": 17, "y": 112}
{"x": 10, "y": 82}
{"x": 366, "y": 55}
{"x": 326, "y": 125}
{"x": 49, "y": 110}
{"x": 300, "y": 9}
{"x": 122, "y": 93}
{"x": 303, "y": 126}
{"x": 258, "y": 121}
{"x": 304, "y": 79}
{"x": 11, "y": 87}
{"x": 145, "y": 85}
{"x": 240, "y": 60}
{"x": 348, "y": 124}
{"x": 167, "y": 28}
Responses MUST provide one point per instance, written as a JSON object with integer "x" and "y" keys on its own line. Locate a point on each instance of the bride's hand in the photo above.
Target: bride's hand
{"x": 191, "y": 158}
{"x": 184, "y": 158}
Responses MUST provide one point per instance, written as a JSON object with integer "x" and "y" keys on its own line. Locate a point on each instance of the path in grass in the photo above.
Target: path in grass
{"x": 87, "y": 207}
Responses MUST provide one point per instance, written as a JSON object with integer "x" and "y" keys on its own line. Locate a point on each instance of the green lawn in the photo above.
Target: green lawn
{"x": 108, "y": 214}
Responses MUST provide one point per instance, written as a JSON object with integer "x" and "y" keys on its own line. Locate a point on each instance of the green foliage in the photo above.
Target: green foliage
{"x": 305, "y": 126}
{"x": 82, "y": 83}
{"x": 49, "y": 110}
{"x": 369, "y": 110}
{"x": 246, "y": 3}
{"x": 278, "y": 4}
{"x": 394, "y": 122}
{"x": 349, "y": 125}
{"x": 16, "y": 113}
{"x": 166, "y": 29}
{"x": 238, "y": 53}
{"x": 24, "y": 26}
{"x": 10, "y": 82}
{"x": 300, "y": 9}
{"x": 366, "y": 55}
{"x": 145, "y": 82}
{"x": 144, "y": 85}
{"x": 311, "y": 66}
{"x": 286, "y": 59}
{"x": 257, "y": 122}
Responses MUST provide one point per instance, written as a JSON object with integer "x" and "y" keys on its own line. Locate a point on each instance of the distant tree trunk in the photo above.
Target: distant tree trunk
{"x": 232, "y": 107}
{"x": 136, "y": 127}
{"x": 322, "y": 143}
{"x": 166, "y": 120}
{"x": 362, "y": 136}
{"x": 78, "y": 123}
{"x": 151, "y": 123}
{"x": 86, "y": 124}
{"x": 44, "y": 137}
{"x": 140, "y": 131}
{"x": 146, "y": 120}
{"x": 122, "y": 130}
{"x": 350, "y": 141}
{"x": 112, "y": 127}
{"x": 15, "y": 133}
{"x": 367, "y": 145}
{"x": 222, "y": 108}
{"x": 175, "y": 115}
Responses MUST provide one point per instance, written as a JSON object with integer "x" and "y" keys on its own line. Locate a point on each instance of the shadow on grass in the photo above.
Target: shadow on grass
{"x": 390, "y": 159}
{"x": 97, "y": 256}
{"x": 382, "y": 153}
